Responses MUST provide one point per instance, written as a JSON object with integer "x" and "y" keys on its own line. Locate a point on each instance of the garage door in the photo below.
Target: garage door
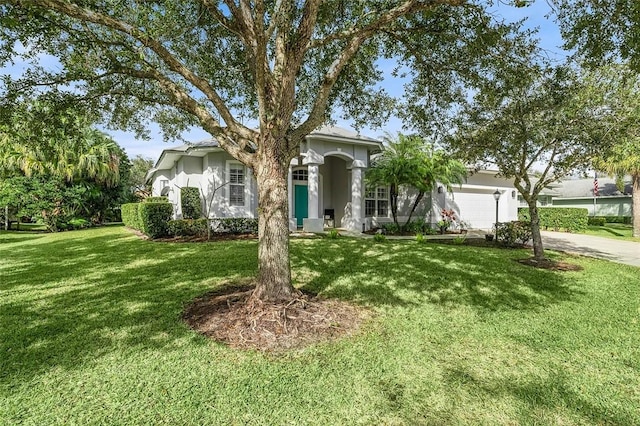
{"x": 477, "y": 209}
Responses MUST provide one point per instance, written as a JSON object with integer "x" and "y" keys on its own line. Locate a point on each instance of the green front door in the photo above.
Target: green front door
{"x": 301, "y": 201}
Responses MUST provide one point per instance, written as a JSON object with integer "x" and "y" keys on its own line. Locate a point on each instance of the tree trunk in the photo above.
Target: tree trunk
{"x": 393, "y": 195}
{"x": 538, "y": 250}
{"x": 635, "y": 212}
{"x": 415, "y": 205}
{"x": 274, "y": 276}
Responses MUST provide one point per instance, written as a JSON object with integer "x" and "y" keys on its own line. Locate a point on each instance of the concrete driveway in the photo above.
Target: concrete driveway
{"x": 626, "y": 252}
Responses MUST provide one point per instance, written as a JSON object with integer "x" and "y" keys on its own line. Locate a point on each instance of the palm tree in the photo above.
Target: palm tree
{"x": 412, "y": 162}
{"x": 624, "y": 159}
{"x": 39, "y": 139}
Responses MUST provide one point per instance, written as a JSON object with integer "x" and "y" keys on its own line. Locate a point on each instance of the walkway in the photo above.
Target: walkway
{"x": 627, "y": 252}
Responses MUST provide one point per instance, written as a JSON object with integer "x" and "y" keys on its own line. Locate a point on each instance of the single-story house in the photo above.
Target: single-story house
{"x": 327, "y": 186}
{"x": 609, "y": 201}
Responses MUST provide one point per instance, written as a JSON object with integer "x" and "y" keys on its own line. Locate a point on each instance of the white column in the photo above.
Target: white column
{"x": 356, "y": 194}
{"x": 313, "y": 190}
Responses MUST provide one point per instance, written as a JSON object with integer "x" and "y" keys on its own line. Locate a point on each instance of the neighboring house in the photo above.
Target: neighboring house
{"x": 580, "y": 193}
{"x": 326, "y": 186}
{"x": 545, "y": 197}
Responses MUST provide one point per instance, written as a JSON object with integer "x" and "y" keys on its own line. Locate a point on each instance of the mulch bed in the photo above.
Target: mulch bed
{"x": 231, "y": 317}
{"x": 549, "y": 264}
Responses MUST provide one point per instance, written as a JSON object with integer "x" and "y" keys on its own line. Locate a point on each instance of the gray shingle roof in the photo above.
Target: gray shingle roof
{"x": 583, "y": 188}
{"x": 205, "y": 143}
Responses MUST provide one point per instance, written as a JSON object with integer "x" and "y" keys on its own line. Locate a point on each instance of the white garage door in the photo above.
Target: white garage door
{"x": 477, "y": 209}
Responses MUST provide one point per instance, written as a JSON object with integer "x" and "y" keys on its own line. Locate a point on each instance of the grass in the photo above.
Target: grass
{"x": 91, "y": 335}
{"x": 29, "y": 226}
{"x": 616, "y": 231}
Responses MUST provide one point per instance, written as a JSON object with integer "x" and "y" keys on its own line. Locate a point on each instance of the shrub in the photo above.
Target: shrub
{"x": 419, "y": 238}
{"x": 130, "y": 215}
{"x": 413, "y": 227}
{"x": 379, "y": 238}
{"x": 513, "y": 233}
{"x": 618, "y": 219}
{"x": 154, "y": 218}
{"x": 459, "y": 240}
{"x": 235, "y": 225}
{"x": 156, "y": 200}
{"x": 78, "y": 223}
{"x": 559, "y": 218}
{"x": 428, "y": 230}
{"x": 190, "y": 203}
{"x": 390, "y": 228}
{"x": 333, "y": 234}
{"x": 187, "y": 227}
{"x": 596, "y": 221}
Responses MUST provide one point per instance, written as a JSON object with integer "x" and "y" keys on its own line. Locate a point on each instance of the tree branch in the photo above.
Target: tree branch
{"x": 354, "y": 40}
{"x": 391, "y": 15}
{"x": 233, "y": 143}
{"x": 231, "y": 26}
{"x": 85, "y": 15}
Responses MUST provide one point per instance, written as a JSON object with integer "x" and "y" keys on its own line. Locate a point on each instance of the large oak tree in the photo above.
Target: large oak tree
{"x": 286, "y": 63}
{"x": 601, "y": 31}
{"x": 542, "y": 119}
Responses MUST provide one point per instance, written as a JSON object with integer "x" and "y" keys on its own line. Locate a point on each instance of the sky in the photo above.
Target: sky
{"x": 535, "y": 15}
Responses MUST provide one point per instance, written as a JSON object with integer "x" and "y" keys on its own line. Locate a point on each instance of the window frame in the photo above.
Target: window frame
{"x": 236, "y": 165}
{"x": 377, "y": 200}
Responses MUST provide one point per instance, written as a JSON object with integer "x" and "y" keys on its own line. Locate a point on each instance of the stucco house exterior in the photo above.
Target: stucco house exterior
{"x": 326, "y": 186}
{"x": 608, "y": 202}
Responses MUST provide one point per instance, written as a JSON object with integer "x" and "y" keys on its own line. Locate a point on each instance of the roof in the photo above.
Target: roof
{"x": 342, "y": 133}
{"x": 170, "y": 155}
{"x": 583, "y": 188}
{"x": 205, "y": 143}
{"x": 199, "y": 149}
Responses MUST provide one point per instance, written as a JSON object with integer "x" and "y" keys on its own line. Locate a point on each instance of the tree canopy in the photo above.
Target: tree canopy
{"x": 601, "y": 31}
{"x": 138, "y": 185}
{"x": 542, "y": 117}
{"x": 56, "y": 167}
{"x": 47, "y": 136}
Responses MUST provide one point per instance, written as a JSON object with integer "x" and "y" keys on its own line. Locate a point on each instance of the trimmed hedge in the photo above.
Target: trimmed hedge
{"x": 187, "y": 227}
{"x": 235, "y": 225}
{"x": 150, "y": 218}
{"x": 597, "y": 220}
{"x": 627, "y": 220}
{"x": 154, "y": 218}
{"x": 130, "y": 215}
{"x": 190, "y": 203}
{"x": 513, "y": 233}
{"x": 156, "y": 200}
{"x": 558, "y": 218}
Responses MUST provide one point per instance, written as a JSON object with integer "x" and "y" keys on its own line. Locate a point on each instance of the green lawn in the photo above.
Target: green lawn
{"x": 29, "y": 227}
{"x": 617, "y": 231}
{"x": 90, "y": 334}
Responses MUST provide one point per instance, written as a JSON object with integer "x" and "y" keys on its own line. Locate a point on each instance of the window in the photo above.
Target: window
{"x": 236, "y": 184}
{"x": 376, "y": 201}
{"x": 300, "y": 175}
{"x": 164, "y": 183}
